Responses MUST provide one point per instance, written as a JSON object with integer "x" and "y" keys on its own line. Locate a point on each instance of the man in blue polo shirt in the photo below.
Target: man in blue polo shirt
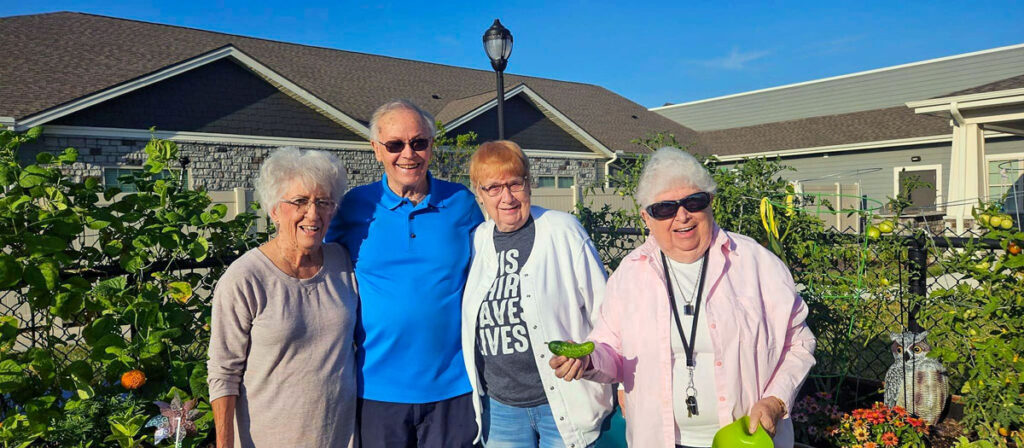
{"x": 409, "y": 238}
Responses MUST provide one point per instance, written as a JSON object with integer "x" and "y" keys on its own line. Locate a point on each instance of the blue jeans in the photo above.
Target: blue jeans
{"x": 511, "y": 427}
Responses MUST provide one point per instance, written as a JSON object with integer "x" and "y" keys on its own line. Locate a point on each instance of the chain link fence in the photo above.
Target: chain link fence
{"x": 866, "y": 289}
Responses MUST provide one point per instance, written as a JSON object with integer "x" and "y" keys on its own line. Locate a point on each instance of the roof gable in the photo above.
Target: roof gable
{"x": 219, "y": 97}
{"x": 159, "y": 78}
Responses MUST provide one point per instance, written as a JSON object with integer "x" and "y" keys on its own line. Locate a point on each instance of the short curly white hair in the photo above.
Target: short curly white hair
{"x": 670, "y": 168}
{"x": 289, "y": 164}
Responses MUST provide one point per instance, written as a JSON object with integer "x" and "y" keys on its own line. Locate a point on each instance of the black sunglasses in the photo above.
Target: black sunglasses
{"x": 667, "y": 209}
{"x": 396, "y": 146}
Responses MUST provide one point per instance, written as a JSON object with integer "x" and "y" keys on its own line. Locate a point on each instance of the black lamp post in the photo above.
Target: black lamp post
{"x": 498, "y": 44}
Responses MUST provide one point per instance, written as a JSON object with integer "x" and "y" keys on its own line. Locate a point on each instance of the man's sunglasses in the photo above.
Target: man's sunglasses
{"x": 667, "y": 209}
{"x": 396, "y": 146}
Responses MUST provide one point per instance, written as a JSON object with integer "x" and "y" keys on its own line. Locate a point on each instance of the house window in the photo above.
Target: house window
{"x": 112, "y": 177}
{"x": 1006, "y": 182}
{"x": 924, "y": 199}
{"x": 555, "y": 181}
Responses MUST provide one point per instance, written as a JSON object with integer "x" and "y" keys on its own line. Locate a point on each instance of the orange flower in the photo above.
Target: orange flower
{"x": 133, "y": 379}
{"x": 870, "y": 445}
{"x": 890, "y": 439}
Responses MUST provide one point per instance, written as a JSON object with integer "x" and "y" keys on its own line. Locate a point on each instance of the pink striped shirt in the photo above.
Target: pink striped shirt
{"x": 762, "y": 345}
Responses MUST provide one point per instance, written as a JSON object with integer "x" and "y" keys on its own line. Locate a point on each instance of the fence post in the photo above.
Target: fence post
{"x": 917, "y": 261}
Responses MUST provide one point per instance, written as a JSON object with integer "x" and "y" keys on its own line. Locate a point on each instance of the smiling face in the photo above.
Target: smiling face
{"x": 406, "y": 169}
{"x": 687, "y": 235}
{"x": 509, "y": 210}
{"x": 302, "y": 229}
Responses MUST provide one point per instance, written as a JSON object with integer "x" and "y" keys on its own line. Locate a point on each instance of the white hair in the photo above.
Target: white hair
{"x": 670, "y": 168}
{"x": 315, "y": 169}
{"x": 384, "y": 109}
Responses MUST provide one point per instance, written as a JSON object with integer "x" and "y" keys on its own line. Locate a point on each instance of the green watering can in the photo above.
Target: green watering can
{"x": 735, "y": 435}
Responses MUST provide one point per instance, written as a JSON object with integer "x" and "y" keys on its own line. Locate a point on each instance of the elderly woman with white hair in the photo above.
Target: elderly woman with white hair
{"x": 281, "y": 351}
{"x": 700, "y": 325}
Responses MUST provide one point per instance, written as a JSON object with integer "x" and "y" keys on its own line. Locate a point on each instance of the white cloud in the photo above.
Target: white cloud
{"x": 735, "y": 60}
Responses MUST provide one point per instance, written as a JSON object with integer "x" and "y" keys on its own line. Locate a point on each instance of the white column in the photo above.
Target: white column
{"x": 967, "y": 170}
{"x": 956, "y": 174}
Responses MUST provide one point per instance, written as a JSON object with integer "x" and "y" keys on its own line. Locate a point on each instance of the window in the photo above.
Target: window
{"x": 1006, "y": 182}
{"x": 555, "y": 181}
{"x": 112, "y": 177}
{"x": 926, "y": 198}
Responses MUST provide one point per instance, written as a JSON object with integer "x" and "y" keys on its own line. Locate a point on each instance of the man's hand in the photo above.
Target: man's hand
{"x": 768, "y": 411}
{"x": 569, "y": 368}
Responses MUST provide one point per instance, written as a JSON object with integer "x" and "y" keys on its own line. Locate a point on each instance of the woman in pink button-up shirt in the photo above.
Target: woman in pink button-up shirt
{"x": 760, "y": 348}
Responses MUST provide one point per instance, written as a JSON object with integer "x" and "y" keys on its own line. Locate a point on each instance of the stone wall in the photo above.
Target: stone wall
{"x": 218, "y": 167}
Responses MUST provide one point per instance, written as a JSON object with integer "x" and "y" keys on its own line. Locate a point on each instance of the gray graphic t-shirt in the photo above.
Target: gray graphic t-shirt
{"x": 504, "y": 356}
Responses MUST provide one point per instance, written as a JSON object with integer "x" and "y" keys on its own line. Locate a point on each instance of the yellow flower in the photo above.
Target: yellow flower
{"x": 860, "y": 433}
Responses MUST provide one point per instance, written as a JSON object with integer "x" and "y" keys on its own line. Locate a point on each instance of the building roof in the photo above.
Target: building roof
{"x": 892, "y": 123}
{"x": 869, "y": 90}
{"x": 53, "y": 59}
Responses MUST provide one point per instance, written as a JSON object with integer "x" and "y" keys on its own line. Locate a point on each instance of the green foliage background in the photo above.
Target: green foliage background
{"x": 97, "y": 283}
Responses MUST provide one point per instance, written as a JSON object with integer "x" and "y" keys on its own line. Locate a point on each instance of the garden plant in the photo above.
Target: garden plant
{"x": 106, "y": 297}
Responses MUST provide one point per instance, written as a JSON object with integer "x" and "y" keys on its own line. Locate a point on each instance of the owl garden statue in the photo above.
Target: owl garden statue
{"x": 916, "y": 382}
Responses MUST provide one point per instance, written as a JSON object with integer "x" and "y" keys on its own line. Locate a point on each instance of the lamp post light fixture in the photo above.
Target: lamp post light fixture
{"x": 498, "y": 45}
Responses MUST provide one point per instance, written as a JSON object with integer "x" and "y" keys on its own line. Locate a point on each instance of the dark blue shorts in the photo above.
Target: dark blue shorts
{"x": 440, "y": 424}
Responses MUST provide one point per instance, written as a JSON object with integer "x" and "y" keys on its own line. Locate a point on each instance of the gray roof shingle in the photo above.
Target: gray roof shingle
{"x": 52, "y": 59}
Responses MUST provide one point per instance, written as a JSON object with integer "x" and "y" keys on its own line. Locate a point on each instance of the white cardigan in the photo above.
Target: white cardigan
{"x": 562, "y": 286}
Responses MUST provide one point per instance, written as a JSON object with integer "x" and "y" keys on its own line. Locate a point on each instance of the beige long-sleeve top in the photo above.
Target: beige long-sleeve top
{"x": 284, "y": 346}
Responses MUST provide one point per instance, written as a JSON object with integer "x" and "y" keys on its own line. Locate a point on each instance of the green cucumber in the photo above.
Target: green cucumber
{"x": 571, "y": 349}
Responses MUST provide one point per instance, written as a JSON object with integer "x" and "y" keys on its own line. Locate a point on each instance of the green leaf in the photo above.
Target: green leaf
{"x": 11, "y": 376}
{"x": 80, "y": 370}
{"x": 92, "y": 183}
{"x": 43, "y": 158}
{"x": 113, "y": 248}
{"x": 84, "y": 390}
{"x": 40, "y": 245}
{"x": 16, "y": 203}
{"x": 96, "y": 224}
{"x": 35, "y": 175}
{"x": 179, "y": 291}
{"x": 97, "y": 329}
{"x": 197, "y": 381}
{"x": 10, "y": 271}
{"x": 68, "y": 303}
{"x": 69, "y": 156}
{"x": 8, "y": 329}
{"x": 132, "y": 263}
{"x": 50, "y": 273}
{"x": 199, "y": 249}
{"x": 34, "y": 133}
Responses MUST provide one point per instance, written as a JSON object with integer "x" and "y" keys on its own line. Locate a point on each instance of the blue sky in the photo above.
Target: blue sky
{"x": 651, "y": 52}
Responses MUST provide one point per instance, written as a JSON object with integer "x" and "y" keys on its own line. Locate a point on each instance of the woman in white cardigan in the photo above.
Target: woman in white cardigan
{"x": 535, "y": 277}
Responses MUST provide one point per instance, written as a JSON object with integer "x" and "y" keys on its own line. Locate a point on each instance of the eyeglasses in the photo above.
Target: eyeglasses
{"x": 667, "y": 209}
{"x": 396, "y": 146}
{"x": 514, "y": 186}
{"x": 302, "y": 204}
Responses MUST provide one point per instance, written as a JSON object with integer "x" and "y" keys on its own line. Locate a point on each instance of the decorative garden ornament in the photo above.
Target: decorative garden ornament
{"x": 176, "y": 421}
{"x": 916, "y": 382}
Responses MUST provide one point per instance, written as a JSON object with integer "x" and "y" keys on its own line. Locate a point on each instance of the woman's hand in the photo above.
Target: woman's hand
{"x": 569, "y": 368}
{"x": 768, "y": 411}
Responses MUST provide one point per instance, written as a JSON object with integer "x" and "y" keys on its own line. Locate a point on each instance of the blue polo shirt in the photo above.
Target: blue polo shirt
{"x": 411, "y": 263}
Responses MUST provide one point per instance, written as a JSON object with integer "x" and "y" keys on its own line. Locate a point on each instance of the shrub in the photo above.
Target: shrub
{"x": 100, "y": 283}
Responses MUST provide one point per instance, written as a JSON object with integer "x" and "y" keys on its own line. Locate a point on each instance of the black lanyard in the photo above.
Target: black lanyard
{"x": 691, "y": 362}
{"x": 687, "y": 346}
